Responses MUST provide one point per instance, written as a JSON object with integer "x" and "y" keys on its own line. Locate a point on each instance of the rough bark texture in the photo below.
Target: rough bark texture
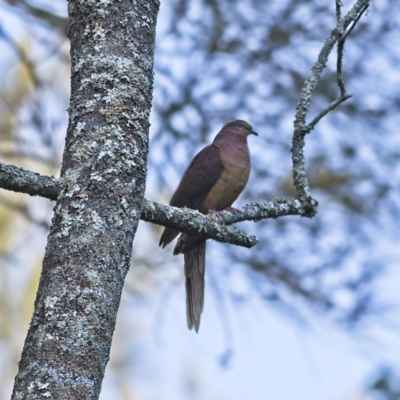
{"x": 101, "y": 190}
{"x": 23, "y": 181}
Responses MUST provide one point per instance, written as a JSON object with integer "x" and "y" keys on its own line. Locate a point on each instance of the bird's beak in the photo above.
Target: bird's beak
{"x": 253, "y": 133}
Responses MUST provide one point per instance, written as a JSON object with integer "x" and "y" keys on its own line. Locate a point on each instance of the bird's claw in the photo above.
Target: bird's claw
{"x": 218, "y": 214}
{"x": 233, "y": 210}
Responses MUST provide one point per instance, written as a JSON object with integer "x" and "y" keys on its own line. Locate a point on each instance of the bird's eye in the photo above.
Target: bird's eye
{"x": 239, "y": 125}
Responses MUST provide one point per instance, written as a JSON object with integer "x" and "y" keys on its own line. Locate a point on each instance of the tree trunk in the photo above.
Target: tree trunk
{"x": 102, "y": 183}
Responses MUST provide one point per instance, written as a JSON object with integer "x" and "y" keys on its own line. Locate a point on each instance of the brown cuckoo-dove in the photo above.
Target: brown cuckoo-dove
{"x": 212, "y": 182}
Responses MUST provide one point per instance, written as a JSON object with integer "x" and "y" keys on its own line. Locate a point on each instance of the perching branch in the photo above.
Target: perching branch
{"x": 262, "y": 209}
{"x": 188, "y": 221}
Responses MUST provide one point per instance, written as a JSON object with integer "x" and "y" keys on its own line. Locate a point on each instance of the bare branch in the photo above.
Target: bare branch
{"x": 339, "y": 4}
{"x": 185, "y": 220}
{"x": 20, "y": 180}
{"x": 300, "y": 127}
{"x": 340, "y": 48}
{"x": 331, "y": 107}
{"x": 262, "y": 209}
{"x": 362, "y": 11}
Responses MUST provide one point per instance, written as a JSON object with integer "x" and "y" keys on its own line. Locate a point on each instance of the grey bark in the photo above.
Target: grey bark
{"x": 101, "y": 190}
{"x": 23, "y": 181}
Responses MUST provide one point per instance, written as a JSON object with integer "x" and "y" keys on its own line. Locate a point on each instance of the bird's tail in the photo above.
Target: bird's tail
{"x": 168, "y": 236}
{"x": 194, "y": 273}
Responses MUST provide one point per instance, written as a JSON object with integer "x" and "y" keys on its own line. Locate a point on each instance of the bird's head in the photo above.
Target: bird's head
{"x": 238, "y": 128}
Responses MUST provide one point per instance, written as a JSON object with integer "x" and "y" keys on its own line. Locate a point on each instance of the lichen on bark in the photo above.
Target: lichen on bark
{"x": 101, "y": 190}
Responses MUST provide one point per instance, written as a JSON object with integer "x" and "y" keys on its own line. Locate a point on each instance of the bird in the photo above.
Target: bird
{"x": 211, "y": 183}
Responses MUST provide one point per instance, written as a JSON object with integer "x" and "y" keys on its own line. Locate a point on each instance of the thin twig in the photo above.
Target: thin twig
{"x": 343, "y": 39}
{"x": 340, "y": 79}
{"x": 340, "y": 48}
{"x": 339, "y": 6}
{"x": 300, "y": 127}
{"x": 322, "y": 114}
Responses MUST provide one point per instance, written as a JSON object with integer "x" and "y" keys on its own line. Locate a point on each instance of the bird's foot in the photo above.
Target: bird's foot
{"x": 218, "y": 214}
{"x": 233, "y": 210}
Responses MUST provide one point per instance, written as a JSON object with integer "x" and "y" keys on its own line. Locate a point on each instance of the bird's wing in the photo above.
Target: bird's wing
{"x": 201, "y": 175}
{"x": 197, "y": 181}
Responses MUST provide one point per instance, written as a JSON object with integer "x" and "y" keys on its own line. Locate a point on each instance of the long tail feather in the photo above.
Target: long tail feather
{"x": 194, "y": 273}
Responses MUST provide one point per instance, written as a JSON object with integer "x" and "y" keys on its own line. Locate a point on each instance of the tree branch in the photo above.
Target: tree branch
{"x": 23, "y": 181}
{"x": 360, "y": 13}
{"x": 340, "y": 48}
{"x": 300, "y": 127}
{"x": 185, "y": 220}
{"x": 328, "y": 109}
{"x": 262, "y": 209}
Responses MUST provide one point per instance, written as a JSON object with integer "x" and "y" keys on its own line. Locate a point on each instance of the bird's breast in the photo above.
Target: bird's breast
{"x": 234, "y": 177}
